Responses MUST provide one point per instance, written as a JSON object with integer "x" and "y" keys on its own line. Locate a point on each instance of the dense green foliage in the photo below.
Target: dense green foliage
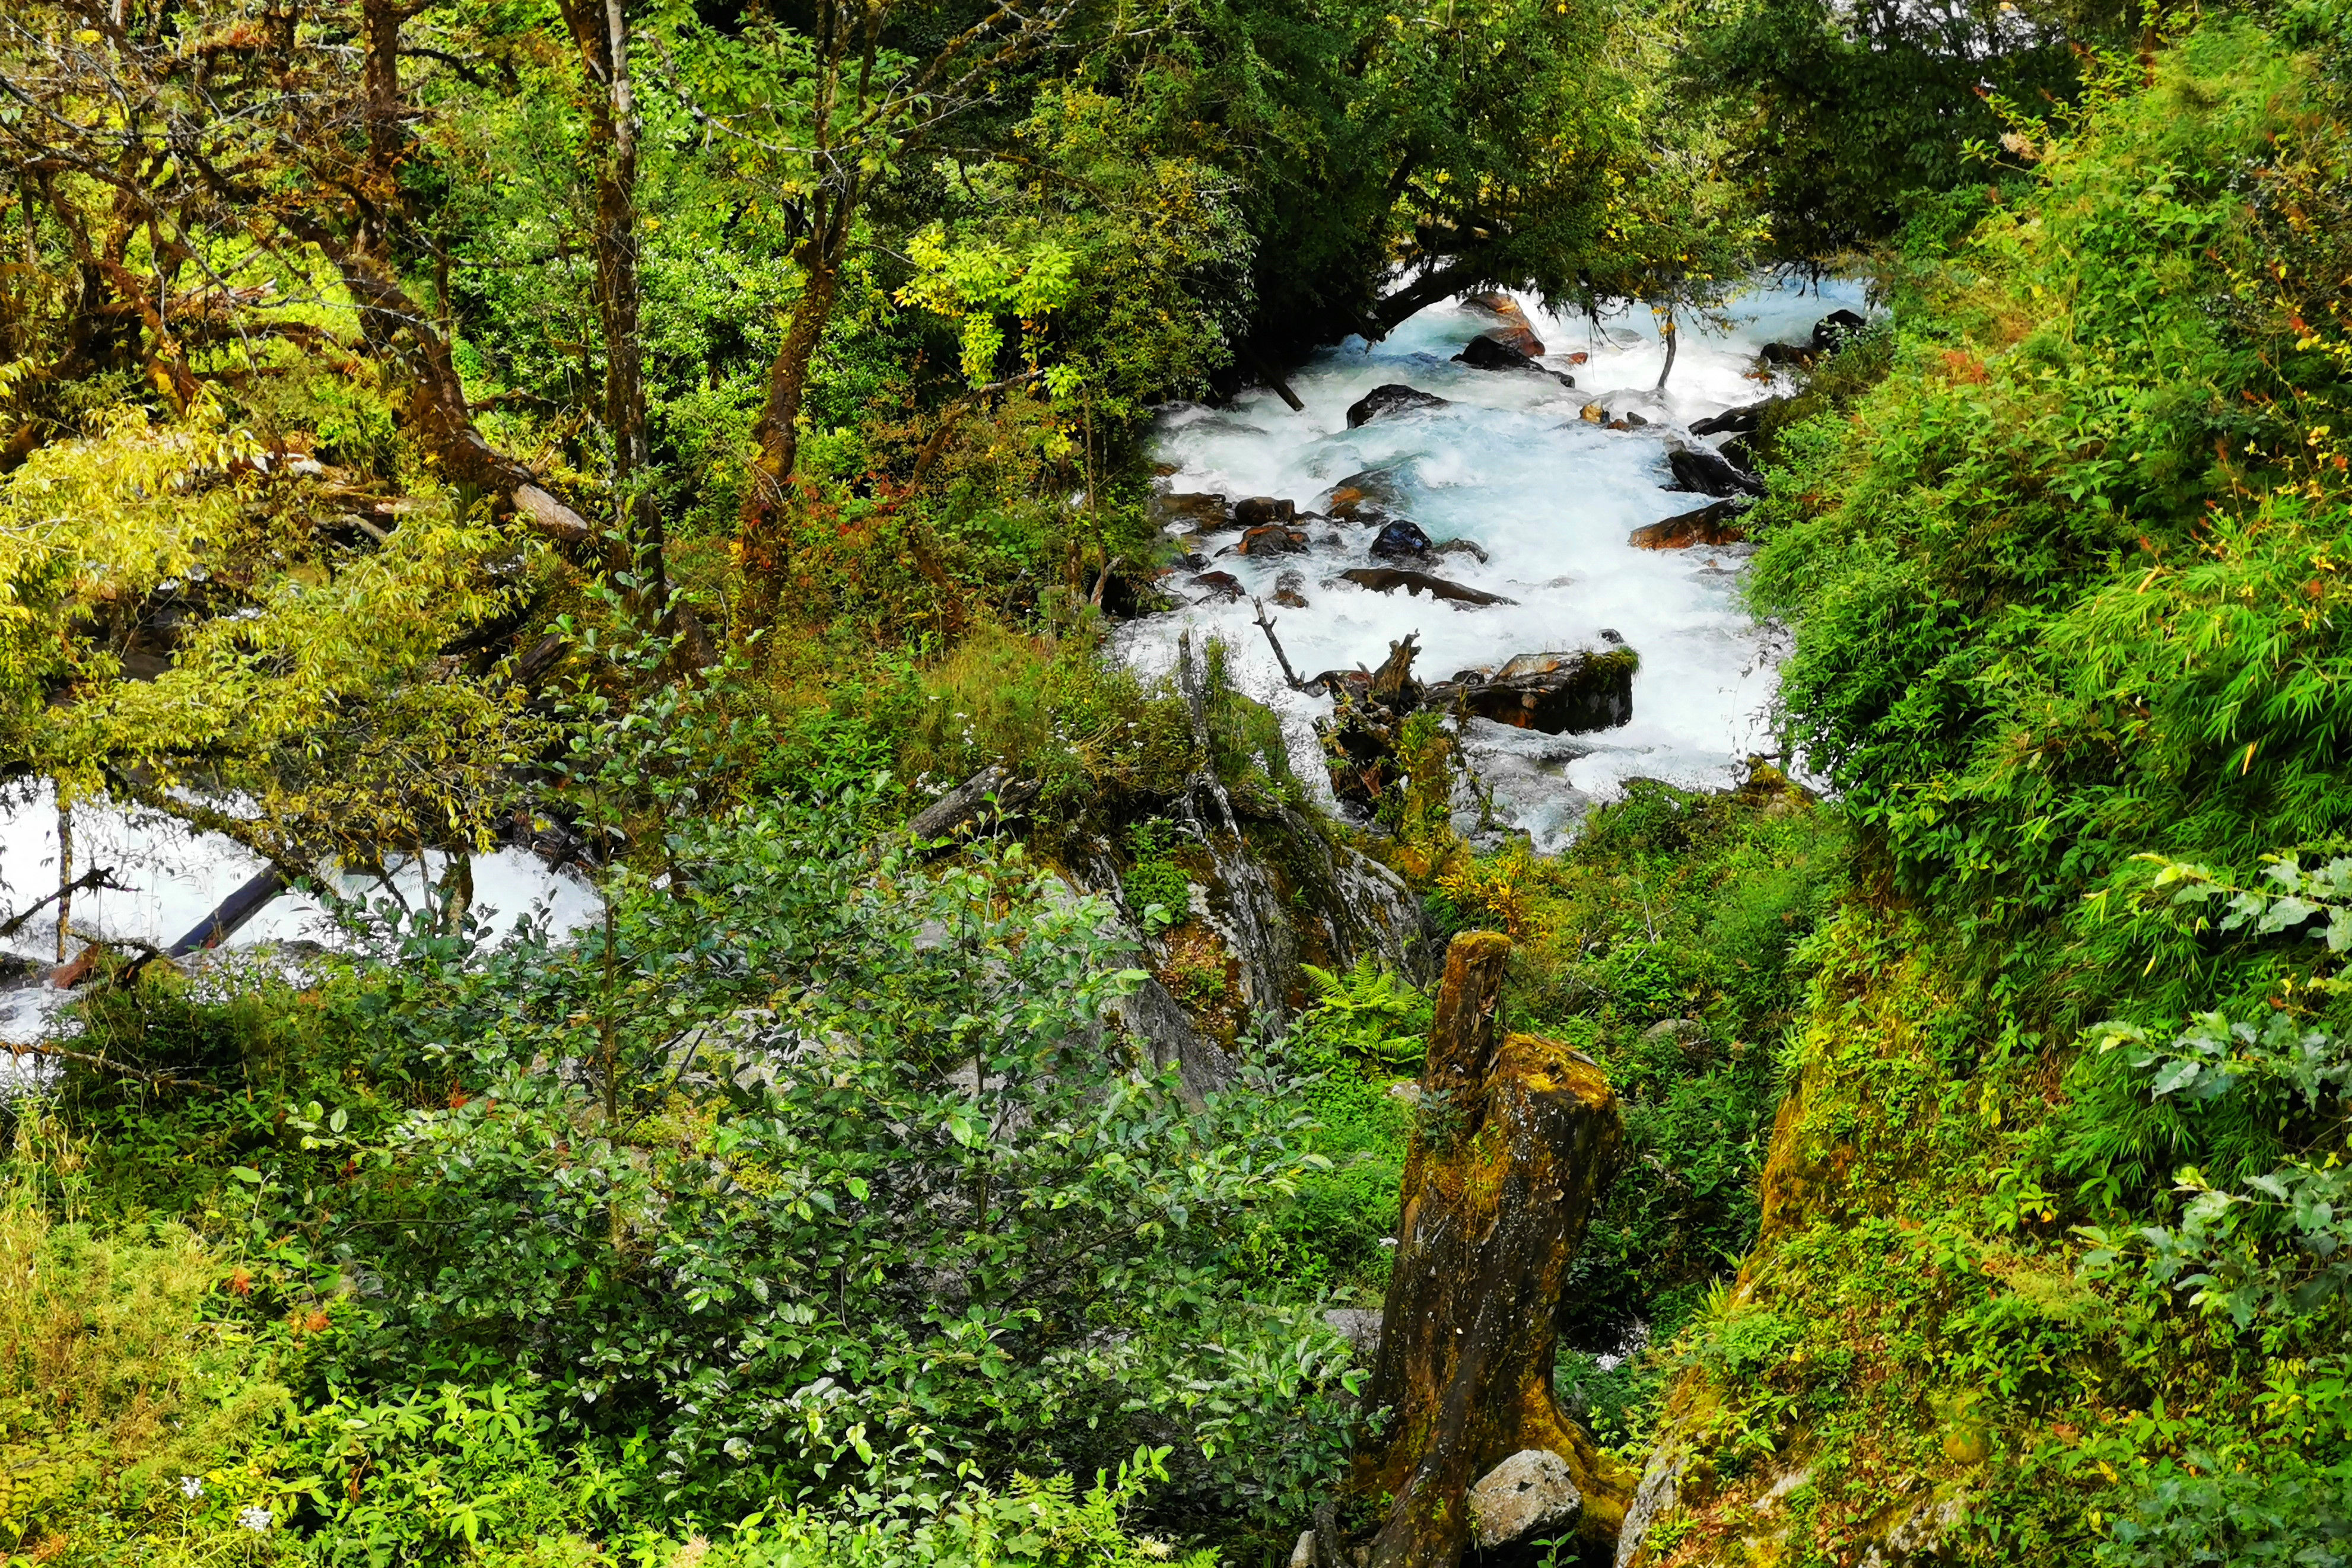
{"x": 2050, "y": 1265}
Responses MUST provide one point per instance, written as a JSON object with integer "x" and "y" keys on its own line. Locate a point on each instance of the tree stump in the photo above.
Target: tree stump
{"x": 1518, "y": 1138}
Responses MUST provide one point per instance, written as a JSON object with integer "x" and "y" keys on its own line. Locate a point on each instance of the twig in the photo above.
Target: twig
{"x": 160, "y": 1080}
{"x": 99, "y": 880}
{"x": 1103, "y": 582}
{"x": 1265, "y": 625}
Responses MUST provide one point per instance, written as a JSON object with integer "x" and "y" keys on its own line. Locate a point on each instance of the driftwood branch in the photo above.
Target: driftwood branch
{"x": 1265, "y": 624}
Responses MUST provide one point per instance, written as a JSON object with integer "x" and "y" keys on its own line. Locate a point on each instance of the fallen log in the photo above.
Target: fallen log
{"x": 1387, "y": 580}
{"x": 232, "y": 912}
{"x": 990, "y": 791}
{"x": 1500, "y": 1180}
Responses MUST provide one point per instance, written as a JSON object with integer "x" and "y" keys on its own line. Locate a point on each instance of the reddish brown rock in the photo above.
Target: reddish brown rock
{"x": 1708, "y": 525}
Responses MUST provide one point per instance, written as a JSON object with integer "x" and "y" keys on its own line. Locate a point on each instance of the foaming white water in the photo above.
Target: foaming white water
{"x": 1549, "y": 496}
{"x": 173, "y": 876}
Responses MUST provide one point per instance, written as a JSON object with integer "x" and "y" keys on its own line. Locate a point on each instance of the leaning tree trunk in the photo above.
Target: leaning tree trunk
{"x": 1517, "y": 1141}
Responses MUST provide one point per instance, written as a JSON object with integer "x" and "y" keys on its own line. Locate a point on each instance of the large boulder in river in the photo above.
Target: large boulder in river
{"x": 1710, "y": 472}
{"x": 1514, "y": 330}
{"x": 1402, "y": 539}
{"x": 1391, "y": 399}
{"x": 1710, "y": 525}
{"x": 1558, "y": 693}
{"x": 1256, "y": 511}
{"x": 1194, "y": 509}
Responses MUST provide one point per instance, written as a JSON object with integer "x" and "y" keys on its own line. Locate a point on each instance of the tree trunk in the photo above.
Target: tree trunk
{"x": 1425, "y": 290}
{"x": 1672, "y": 339}
{"x": 1517, "y": 1140}
{"x": 601, "y": 31}
{"x": 766, "y": 502}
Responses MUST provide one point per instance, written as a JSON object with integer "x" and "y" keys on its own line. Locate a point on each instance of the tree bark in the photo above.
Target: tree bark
{"x": 1425, "y": 290}
{"x": 766, "y": 504}
{"x": 1517, "y": 1141}
{"x": 600, "y": 30}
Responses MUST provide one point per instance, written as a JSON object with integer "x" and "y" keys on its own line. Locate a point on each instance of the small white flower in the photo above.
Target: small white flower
{"x": 254, "y": 1518}
{"x": 191, "y": 1488}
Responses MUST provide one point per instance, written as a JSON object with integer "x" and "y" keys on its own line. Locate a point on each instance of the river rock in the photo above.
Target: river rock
{"x": 1289, "y": 591}
{"x": 1571, "y": 693}
{"x": 1835, "y": 328}
{"x": 1401, "y": 540}
{"x": 1393, "y": 398}
{"x": 1367, "y": 496}
{"x": 1740, "y": 421}
{"x": 1710, "y": 472}
{"x": 1388, "y": 579}
{"x": 1829, "y": 333}
{"x": 1497, "y": 352}
{"x": 1515, "y": 330}
{"x": 1194, "y": 509}
{"x": 1710, "y": 525}
{"x": 1463, "y": 547}
{"x": 1529, "y": 1493}
{"x": 1221, "y": 585}
{"x": 1256, "y": 511}
{"x": 1273, "y": 538}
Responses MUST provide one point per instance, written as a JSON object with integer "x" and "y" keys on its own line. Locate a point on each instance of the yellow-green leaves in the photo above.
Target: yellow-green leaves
{"x": 976, "y": 283}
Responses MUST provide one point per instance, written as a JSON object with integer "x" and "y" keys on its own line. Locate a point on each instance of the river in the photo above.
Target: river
{"x": 1551, "y": 497}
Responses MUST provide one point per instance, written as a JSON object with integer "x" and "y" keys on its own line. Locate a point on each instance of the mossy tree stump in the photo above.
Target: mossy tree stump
{"x": 1518, "y": 1136}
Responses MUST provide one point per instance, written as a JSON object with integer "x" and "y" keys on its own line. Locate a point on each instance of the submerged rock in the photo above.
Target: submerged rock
{"x": 1220, "y": 584}
{"x": 1558, "y": 693}
{"x": 1367, "y": 495}
{"x": 1711, "y": 525}
{"x": 1388, "y": 579}
{"x": 1393, "y": 398}
{"x": 1289, "y": 591}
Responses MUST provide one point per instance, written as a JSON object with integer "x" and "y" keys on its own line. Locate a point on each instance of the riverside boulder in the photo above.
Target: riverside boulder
{"x": 1710, "y": 472}
{"x": 1571, "y": 693}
